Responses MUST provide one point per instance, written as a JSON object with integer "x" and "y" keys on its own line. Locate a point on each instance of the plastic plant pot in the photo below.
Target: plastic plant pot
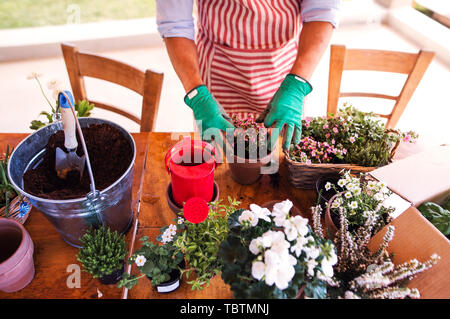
{"x": 16, "y": 256}
{"x": 113, "y": 277}
{"x": 177, "y": 208}
{"x": 173, "y": 283}
{"x": 245, "y": 171}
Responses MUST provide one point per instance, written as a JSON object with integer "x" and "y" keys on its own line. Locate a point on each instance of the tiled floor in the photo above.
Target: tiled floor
{"x": 427, "y": 113}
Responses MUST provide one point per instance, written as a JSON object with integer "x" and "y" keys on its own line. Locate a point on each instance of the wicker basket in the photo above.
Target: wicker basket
{"x": 304, "y": 176}
{"x": 19, "y": 209}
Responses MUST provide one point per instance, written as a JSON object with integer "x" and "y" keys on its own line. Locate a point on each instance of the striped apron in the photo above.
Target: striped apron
{"x": 246, "y": 48}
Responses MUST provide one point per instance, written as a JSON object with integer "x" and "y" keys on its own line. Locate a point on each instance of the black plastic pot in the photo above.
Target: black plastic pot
{"x": 173, "y": 283}
{"x": 324, "y": 196}
{"x": 113, "y": 277}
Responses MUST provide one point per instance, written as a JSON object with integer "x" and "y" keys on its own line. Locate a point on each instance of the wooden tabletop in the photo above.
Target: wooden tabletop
{"x": 52, "y": 255}
{"x": 155, "y": 212}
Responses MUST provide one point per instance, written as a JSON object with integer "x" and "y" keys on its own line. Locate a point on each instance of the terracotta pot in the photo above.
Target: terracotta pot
{"x": 246, "y": 172}
{"x": 16, "y": 256}
{"x": 176, "y": 208}
{"x": 113, "y": 277}
{"x": 329, "y": 223}
{"x": 269, "y": 205}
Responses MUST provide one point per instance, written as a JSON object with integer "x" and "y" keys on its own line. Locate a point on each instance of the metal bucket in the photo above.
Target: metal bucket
{"x": 72, "y": 217}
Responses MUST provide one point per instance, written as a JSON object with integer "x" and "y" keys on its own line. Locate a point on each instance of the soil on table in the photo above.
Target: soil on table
{"x": 110, "y": 155}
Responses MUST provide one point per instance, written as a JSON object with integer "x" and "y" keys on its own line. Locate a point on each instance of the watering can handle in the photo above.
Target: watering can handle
{"x": 204, "y": 145}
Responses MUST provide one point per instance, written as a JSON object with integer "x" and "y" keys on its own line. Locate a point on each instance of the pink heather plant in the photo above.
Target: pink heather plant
{"x": 351, "y": 137}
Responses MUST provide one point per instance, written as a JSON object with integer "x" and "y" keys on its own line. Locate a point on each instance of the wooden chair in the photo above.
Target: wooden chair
{"x": 148, "y": 83}
{"x": 412, "y": 64}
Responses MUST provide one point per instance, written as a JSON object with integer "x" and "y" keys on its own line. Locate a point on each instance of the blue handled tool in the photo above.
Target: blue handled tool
{"x": 68, "y": 161}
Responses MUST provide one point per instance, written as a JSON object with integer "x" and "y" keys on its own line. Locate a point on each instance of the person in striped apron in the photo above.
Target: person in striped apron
{"x": 251, "y": 58}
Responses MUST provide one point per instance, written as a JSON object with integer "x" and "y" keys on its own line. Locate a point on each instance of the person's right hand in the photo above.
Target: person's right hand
{"x": 209, "y": 115}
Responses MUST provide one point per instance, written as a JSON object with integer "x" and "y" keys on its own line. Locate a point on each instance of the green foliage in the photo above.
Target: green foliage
{"x": 82, "y": 108}
{"x": 161, "y": 260}
{"x": 362, "y": 136}
{"x": 103, "y": 251}
{"x": 7, "y": 191}
{"x": 200, "y": 243}
{"x": 437, "y": 215}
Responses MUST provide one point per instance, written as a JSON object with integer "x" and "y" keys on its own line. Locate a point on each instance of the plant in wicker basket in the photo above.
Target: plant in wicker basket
{"x": 352, "y": 137}
{"x": 274, "y": 255}
{"x": 103, "y": 251}
{"x": 360, "y": 273}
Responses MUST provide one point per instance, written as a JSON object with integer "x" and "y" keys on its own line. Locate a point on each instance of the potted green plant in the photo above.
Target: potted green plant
{"x": 438, "y": 215}
{"x": 250, "y": 149}
{"x": 271, "y": 254}
{"x": 103, "y": 254}
{"x": 360, "y": 199}
{"x": 350, "y": 139}
{"x": 199, "y": 243}
{"x": 161, "y": 264}
{"x": 12, "y": 204}
{"x": 360, "y": 273}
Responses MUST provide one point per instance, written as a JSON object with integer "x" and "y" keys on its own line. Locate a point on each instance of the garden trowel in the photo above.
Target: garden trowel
{"x": 68, "y": 161}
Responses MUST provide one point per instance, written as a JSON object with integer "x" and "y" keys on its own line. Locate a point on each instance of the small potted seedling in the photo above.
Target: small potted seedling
{"x": 161, "y": 264}
{"x": 103, "y": 254}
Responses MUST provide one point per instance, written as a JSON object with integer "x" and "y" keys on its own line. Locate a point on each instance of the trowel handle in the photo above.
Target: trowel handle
{"x": 68, "y": 121}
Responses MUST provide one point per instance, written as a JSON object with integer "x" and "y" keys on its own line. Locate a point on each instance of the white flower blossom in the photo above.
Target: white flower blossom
{"x": 258, "y": 270}
{"x": 327, "y": 186}
{"x": 260, "y": 212}
{"x": 255, "y": 246}
{"x": 281, "y": 211}
{"x": 348, "y": 195}
{"x": 248, "y": 216}
{"x": 342, "y": 182}
{"x": 140, "y": 261}
{"x": 172, "y": 229}
{"x": 354, "y": 204}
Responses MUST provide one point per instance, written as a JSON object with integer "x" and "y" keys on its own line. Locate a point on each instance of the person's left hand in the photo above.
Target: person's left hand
{"x": 285, "y": 108}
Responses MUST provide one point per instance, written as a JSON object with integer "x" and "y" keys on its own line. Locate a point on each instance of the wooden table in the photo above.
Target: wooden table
{"x": 52, "y": 255}
{"x": 155, "y": 212}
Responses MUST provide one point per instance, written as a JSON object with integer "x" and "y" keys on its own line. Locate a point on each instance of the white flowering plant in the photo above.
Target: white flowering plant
{"x": 359, "y": 198}
{"x": 364, "y": 274}
{"x": 156, "y": 261}
{"x": 270, "y": 254}
{"x": 82, "y": 108}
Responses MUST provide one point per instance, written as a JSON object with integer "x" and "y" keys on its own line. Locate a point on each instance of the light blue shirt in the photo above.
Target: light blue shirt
{"x": 174, "y": 17}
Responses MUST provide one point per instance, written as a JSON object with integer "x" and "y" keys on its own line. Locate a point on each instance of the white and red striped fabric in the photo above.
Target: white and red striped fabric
{"x": 246, "y": 48}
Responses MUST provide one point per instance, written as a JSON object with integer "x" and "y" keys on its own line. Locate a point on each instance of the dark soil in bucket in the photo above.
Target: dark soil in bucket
{"x": 110, "y": 155}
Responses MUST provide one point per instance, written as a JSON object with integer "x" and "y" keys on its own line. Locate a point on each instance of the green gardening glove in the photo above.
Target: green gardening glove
{"x": 208, "y": 113}
{"x": 286, "y": 107}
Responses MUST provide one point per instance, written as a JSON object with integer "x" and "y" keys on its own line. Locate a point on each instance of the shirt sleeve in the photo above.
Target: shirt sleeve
{"x": 174, "y": 18}
{"x": 320, "y": 10}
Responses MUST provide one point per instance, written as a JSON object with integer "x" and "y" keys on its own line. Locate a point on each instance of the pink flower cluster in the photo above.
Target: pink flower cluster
{"x": 309, "y": 150}
{"x": 248, "y": 129}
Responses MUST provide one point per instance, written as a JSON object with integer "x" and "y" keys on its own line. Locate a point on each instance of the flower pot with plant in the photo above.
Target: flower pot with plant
{"x": 12, "y": 204}
{"x": 103, "y": 254}
{"x": 360, "y": 199}
{"x": 360, "y": 273}
{"x": 350, "y": 139}
{"x": 250, "y": 150}
{"x": 161, "y": 264}
{"x": 16, "y": 256}
{"x": 271, "y": 254}
{"x": 199, "y": 242}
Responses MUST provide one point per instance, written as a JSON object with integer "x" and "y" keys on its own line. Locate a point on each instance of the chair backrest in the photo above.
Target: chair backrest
{"x": 413, "y": 64}
{"x": 148, "y": 83}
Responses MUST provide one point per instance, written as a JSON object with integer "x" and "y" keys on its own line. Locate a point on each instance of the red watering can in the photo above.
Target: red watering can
{"x": 191, "y": 164}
